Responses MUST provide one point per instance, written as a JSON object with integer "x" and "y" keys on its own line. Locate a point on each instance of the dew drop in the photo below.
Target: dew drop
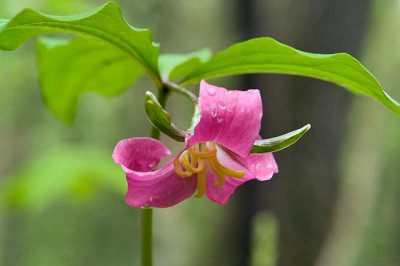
{"x": 228, "y": 92}
{"x": 213, "y": 111}
{"x": 211, "y": 91}
{"x": 220, "y": 120}
{"x": 229, "y": 109}
{"x": 222, "y": 105}
{"x": 150, "y": 199}
{"x": 152, "y": 164}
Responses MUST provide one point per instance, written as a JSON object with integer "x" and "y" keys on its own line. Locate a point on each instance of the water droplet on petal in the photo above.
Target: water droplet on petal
{"x": 222, "y": 105}
{"x": 228, "y": 92}
{"x": 150, "y": 199}
{"x": 213, "y": 111}
{"x": 152, "y": 164}
{"x": 229, "y": 109}
{"x": 211, "y": 91}
{"x": 220, "y": 120}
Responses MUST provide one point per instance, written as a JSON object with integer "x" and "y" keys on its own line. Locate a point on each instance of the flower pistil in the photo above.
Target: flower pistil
{"x": 194, "y": 161}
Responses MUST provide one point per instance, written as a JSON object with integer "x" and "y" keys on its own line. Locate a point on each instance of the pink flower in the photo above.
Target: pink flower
{"x": 216, "y": 158}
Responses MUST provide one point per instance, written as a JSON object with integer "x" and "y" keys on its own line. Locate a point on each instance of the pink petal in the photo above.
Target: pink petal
{"x": 230, "y": 118}
{"x": 256, "y": 166}
{"x": 262, "y": 165}
{"x": 222, "y": 194}
{"x": 139, "y": 154}
{"x": 161, "y": 189}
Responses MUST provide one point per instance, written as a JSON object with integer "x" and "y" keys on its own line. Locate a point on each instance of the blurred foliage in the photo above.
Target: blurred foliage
{"x": 265, "y": 239}
{"x": 68, "y": 172}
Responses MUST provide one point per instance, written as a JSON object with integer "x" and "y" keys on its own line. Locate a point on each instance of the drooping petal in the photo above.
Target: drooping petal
{"x": 256, "y": 166}
{"x": 222, "y": 194}
{"x": 139, "y": 154}
{"x": 160, "y": 188}
{"x": 262, "y": 165}
{"x": 230, "y": 118}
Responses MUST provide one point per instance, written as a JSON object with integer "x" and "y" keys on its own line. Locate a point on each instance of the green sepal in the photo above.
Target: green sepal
{"x": 279, "y": 143}
{"x": 161, "y": 119}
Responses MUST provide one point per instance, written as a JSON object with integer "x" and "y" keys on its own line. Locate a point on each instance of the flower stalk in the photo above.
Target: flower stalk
{"x": 146, "y": 214}
{"x": 146, "y": 236}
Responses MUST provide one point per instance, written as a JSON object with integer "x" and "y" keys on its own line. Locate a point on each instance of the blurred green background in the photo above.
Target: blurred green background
{"x": 335, "y": 201}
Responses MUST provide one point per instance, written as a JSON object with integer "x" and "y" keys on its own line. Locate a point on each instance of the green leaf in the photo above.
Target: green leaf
{"x": 161, "y": 119}
{"x": 63, "y": 173}
{"x": 174, "y": 66}
{"x": 105, "y": 23}
{"x": 266, "y": 55}
{"x": 279, "y": 143}
{"x": 69, "y": 68}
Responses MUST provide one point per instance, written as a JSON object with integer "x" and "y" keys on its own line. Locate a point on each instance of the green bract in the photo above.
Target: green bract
{"x": 161, "y": 119}
{"x": 279, "y": 143}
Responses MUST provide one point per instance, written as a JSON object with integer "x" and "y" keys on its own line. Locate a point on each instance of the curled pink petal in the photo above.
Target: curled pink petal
{"x": 162, "y": 188}
{"x": 222, "y": 194}
{"x": 262, "y": 165}
{"x": 139, "y": 154}
{"x": 230, "y": 118}
{"x": 256, "y": 166}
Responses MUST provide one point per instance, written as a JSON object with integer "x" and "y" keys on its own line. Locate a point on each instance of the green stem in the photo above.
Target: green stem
{"x": 147, "y": 236}
{"x": 147, "y": 212}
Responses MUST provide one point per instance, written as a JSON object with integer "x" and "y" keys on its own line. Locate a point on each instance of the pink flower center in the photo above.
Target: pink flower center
{"x": 194, "y": 161}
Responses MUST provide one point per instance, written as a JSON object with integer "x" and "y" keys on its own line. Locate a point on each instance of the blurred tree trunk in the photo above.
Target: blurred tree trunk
{"x": 303, "y": 194}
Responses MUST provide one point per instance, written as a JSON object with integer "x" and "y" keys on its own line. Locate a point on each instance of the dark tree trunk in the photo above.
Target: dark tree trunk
{"x": 303, "y": 194}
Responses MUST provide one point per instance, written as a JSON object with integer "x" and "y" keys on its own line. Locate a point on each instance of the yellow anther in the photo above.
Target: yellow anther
{"x": 179, "y": 171}
{"x": 193, "y": 161}
{"x": 191, "y": 166}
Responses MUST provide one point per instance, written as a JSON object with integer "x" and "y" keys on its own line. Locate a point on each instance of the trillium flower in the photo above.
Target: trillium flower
{"x": 216, "y": 158}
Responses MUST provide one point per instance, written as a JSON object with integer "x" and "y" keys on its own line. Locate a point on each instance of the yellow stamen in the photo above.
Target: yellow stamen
{"x": 194, "y": 162}
{"x": 190, "y": 166}
{"x": 213, "y": 163}
{"x": 204, "y": 154}
{"x": 201, "y": 184}
{"x": 179, "y": 171}
{"x": 228, "y": 171}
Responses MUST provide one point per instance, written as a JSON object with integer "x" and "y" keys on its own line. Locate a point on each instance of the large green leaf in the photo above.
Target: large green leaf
{"x": 266, "y": 55}
{"x": 174, "y": 66}
{"x": 69, "y": 68}
{"x": 105, "y": 23}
